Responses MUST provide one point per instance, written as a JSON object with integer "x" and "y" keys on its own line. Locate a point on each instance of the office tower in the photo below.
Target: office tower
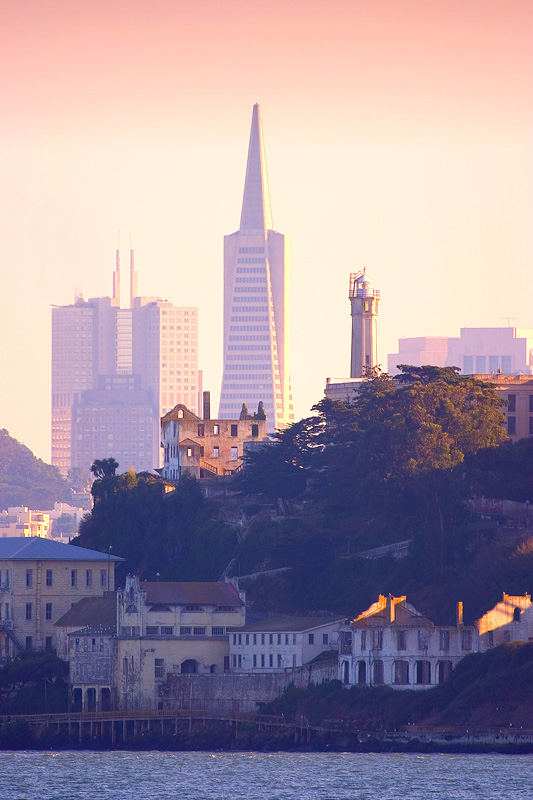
{"x": 364, "y": 300}
{"x": 152, "y": 344}
{"x": 256, "y": 320}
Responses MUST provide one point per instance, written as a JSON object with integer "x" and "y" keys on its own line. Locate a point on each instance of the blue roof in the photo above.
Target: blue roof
{"x": 35, "y": 548}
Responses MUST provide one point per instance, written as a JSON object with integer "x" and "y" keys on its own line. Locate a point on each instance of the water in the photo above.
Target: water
{"x": 263, "y": 776}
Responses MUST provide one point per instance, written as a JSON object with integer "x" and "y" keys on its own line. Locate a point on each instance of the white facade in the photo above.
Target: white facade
{"x": 392, "y": 644}
{"x": 279, "y": 644}
{"x": 364, "y": 300}
{"x": 256, "y": 302}
{"x": 474, "y": 351}
{"x": 511, "y": 620}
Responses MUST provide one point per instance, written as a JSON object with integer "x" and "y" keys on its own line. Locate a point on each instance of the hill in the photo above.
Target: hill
{"x": 26, "y": 480}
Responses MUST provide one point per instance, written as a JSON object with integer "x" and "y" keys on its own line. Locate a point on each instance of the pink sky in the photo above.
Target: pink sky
{"x": 398, "y": 135}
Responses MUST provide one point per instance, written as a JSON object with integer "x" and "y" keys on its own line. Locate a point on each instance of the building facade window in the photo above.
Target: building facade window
{"x": 325, "y": 638}
{"x": 159, "y": 668}
{"x": 401, "y": 672}
{"x": 234, "y": 454}
{"x": 511, "y": 425}
{"x": 216, "y": 430}
{"x": 401, "y": 640}
{"x": 29, "y": 578}
{"x": 73, "y": 577}
{"x": 311, "y": 638}
{"x": 234, "y": 431}
{"x": 216, "y": 452}
{"x": 29, "y": 642}
{"x": 48, "y": 611}
{"x": 49, "y": 577}
{"x": 28, "y": 611}
{"x": 466, "y": 640}
{"x": 103, "y": 578}
{"x": 88, "y": 578}
{"x": 511, "y": 403}
{"x": 377, "y": 639}
{"x": 444, "y": 637}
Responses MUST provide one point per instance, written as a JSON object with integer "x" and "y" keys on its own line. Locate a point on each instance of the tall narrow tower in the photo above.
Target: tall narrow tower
{"x": 256, "y": 298}
{"x": 364, "y": 301}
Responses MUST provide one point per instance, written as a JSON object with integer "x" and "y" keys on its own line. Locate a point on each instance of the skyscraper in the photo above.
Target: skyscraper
{"x": 94, "y": 343}
{"x": 256, "y": 296}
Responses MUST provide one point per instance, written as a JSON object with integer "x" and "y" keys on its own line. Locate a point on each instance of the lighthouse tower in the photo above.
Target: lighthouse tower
{"x": 364, "y": 301}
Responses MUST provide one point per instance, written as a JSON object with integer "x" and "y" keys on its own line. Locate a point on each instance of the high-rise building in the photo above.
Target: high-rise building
{"x": 364, "y": 301}
{"x": 256, "y": 299}
{"x": 152, "y": 343}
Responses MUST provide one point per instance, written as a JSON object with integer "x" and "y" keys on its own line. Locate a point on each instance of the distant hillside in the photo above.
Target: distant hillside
{"x": 26, "y": 480}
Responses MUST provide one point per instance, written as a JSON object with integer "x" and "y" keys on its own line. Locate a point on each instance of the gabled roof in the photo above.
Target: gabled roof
{"x": 288, "y": 624}
{"x": 174, "y": 593}
{"x": 91, "y": 611}
{"x": 173, "y": 414}
{"x": 404, "y": 613}
{"x": 189, "y": 443}
{"x": 35, "y": 548}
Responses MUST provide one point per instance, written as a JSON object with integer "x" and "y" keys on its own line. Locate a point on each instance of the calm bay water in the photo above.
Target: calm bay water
{"x": 263, "y": 776}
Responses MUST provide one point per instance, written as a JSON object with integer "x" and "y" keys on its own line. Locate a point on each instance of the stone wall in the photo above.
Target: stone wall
{"x": 241, "y": 693}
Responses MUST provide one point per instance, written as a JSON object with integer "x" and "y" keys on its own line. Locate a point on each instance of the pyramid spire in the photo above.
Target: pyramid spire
{"x": 256, "y": 214}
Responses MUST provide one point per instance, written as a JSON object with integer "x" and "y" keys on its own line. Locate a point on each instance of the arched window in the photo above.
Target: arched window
{"x": 516, "y": 615}
{"x": 361, "y": 672}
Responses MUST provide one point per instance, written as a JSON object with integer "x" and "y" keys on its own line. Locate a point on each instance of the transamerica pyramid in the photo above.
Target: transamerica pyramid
{"x": 256, "y": 324}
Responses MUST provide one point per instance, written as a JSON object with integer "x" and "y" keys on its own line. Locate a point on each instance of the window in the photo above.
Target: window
{"x": 198, "y": 631}
{"x": 444, "y": 637}
{"x": 467, "y": 640}
{"x": 401, "y": 639}
{"x": 234, "y": 430}
{"x": 255, "y": 638}
{"x": 217, "y": 631}
{"x": 93, "y": 645}
{"x": 516, "y": 614}
{"x": 216, "y": 430}
{"x": 239, "y": 638}
{"x": 262, "y": 638}
{"x": 73, "y": 577}
{"x": 271, "y": 638}
{"x": 28, "y": 610}
{"x": 152, "y": 630}
{"x": 48, "y": 643}
{"x": 280, "y": 662}
{"x": 167, "y": 630}
{"x": 377, "y": 639}
{"x": 423, "y": 639}
{"x": 325, "y": 638}
{"x": 103, "y": 578}
{"x": 201, "y": 429}
{"x": 511, "y": 403}
{"x": 29, "y": 642}
{"x": 262, "y": 659}
{"x": 247, "y": 638}
{"x": 234, "y": 638}
{"x": 234, "y": 454}
{"x": 311, "y": 638}
{"x": 286, "y": 638}
{"x": 48, "y": 577}
{"x": 234, "y": 660}
{"x": 294, "y": 638}
{"x": 29, "y": 578}
{"x": 423, "y": 672}
{"x": 363, "y": 640}
{"x": 159, "y": 668}
{"x": 401, "y": 672}
{"x": 189, "y": 452}
{"x": 255, "y": 660}
{"x": 88, "y": 578}
{"x": 271, "y": 660}
{"x": 192, "y": 607}
{"x": 279, "y": 638}
{"x": 379, "y": 673}
{"x": 511, "y": 425}
{"x": 185, "y": 630}
{"x": 48, "y": 611}
{"x": 255, "y": 430}
{"x": 216, "y": 452}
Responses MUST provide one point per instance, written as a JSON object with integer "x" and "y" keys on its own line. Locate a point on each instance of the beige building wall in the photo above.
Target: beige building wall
{"x": 214, "y": 446}
{"x": 34, "y": 594}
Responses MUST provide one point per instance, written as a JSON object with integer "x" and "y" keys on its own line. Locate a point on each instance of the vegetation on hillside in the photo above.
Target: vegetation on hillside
{"x": 485, "y": 690}
{"x": 399, "y": 464}
{"x": 26, "y": 480}
{"x": 33, "y": 682}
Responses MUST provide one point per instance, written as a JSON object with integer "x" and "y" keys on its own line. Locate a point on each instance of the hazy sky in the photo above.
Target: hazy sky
{"x": 398, "y": 136}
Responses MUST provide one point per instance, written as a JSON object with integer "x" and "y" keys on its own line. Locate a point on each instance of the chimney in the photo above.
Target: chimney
{"x": 391, "y": 611}
{"x": 459, "y": 613}
{"x": 207, "y": 405}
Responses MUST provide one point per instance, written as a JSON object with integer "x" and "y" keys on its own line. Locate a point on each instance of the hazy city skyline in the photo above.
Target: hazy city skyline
{"x": 398, "y": 138}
